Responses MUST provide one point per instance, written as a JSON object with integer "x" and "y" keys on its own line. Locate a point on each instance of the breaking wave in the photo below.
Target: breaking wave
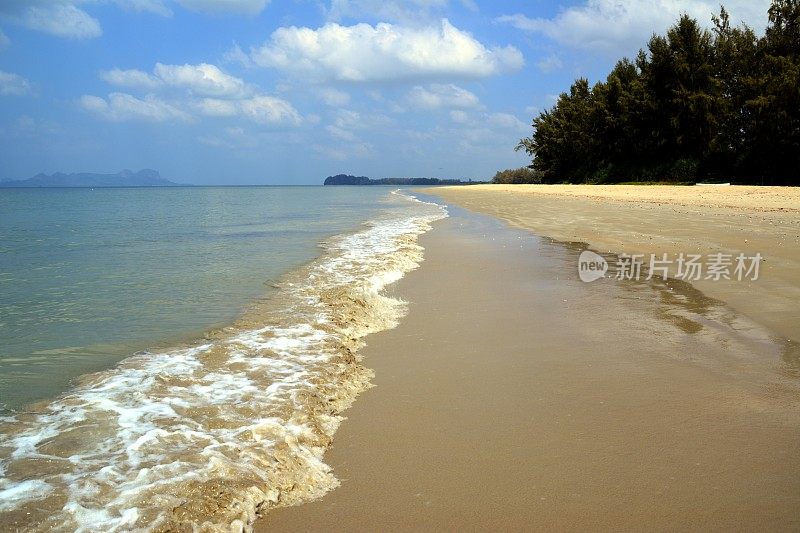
{"x": 209, "y": 436}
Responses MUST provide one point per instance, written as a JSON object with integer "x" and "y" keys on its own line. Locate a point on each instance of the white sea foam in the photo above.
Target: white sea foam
{"x": 208, "y": 436}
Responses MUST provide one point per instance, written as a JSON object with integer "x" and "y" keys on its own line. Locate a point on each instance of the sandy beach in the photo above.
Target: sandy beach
{"x": 664, "y": 219}
{"x": 516, "y": 397}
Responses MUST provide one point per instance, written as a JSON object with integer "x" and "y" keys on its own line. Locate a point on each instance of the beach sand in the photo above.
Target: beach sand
{"x": 669, "y": 219}
{"x": 515, "y": 397}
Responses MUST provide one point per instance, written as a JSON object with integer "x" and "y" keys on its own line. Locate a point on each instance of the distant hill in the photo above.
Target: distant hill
{"x": 346, "y": 179}
{"x": 126, "y": 178}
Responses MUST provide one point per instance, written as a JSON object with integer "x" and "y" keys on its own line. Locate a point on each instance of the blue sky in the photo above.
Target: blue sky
{"x": 290, "y": 91}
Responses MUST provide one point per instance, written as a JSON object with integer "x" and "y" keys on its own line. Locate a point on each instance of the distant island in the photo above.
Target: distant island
{"x": 126, "y": 178}
{"x": 346, "y": 179}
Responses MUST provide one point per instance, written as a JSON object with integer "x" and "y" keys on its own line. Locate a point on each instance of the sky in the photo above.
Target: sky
{"x": 291, "y": 91}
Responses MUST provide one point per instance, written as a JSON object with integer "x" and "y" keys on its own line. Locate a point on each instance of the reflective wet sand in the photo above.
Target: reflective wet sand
{"x": 654, "y": 219}
{"x": 515, "y": 397}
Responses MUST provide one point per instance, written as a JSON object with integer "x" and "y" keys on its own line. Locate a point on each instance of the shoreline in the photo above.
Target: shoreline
{"x": 658, "y": 219}
{"x": 513, "y": 396}
{"x": 233, "y": 423}
{"x": 87, "y": 305}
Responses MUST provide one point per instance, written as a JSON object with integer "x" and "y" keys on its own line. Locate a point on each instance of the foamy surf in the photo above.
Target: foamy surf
{"x": 208, "y": 437}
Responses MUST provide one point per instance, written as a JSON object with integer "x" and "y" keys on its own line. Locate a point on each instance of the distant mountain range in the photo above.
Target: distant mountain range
{"x": 126, "y": 178}
{"x": 346, "y": 179}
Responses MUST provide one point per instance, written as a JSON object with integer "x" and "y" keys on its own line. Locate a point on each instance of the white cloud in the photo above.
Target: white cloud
{"x": 4, "y": 40}
{"x": 214, "y": 107}
{"x": 130, "y": 78}
{"x": 346, "y": 121}
{"x": 66, "y": 18}
{"x": 436, "y": 95}
{"x": 269, "y": 110}
{"x": 59, "y": 18}
{"x": 470, "y": 5}
{"x": 458, "y": 116}
{"x": 346, "y": 118}
{"x": 624, "y": 27}
{"x": 157, "y": 7}
{"x": 550, "y": 64}
{"x": 122, "y": 106}
{"x": 506, "y": 121}
{"x": 201, "y": 80}
{"x": 259, "y": 109}
{"x": 205, "y": 89}
{"x": 349, "y": 119}
{"x": 237, "y": 55}
{"x": 339, "y": 133}
{"x": 501, "y": 124}
{"x": 13, "y": 84}
{"x": 334, "y": 97}
{"x": 247, "y": 7}
{"x": 385, "y": 52}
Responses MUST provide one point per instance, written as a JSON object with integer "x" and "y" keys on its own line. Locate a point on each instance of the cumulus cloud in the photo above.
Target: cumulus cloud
{"x": 624, "y": 27}
{"x": 202, "y": 80}
{"x": 269, "y": 110}
{"x": 436, "y": 95}
{"x": 121, "y": 106}
{"x": 261, "y": 109}
{"x": 66, "y": 18}
{"x": 385, "y": 52}
{"x": 506, "y": 121}
{"x": 247, "y": 7}
{"x": 56, "y": 17}
{"x": 13, "y": 84}
{"x": 130, "y": 78}
{"x": 205, "y": 90}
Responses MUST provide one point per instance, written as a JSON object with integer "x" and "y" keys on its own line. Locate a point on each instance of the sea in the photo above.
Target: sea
{"x": 178, "y": 358}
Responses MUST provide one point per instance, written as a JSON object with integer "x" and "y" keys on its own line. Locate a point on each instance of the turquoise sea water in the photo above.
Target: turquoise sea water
{"x": 222, "y": 328}
{"x": 90, "y": 276}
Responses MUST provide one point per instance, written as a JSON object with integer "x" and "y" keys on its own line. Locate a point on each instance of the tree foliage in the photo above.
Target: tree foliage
{"x": 695, "y": 104}
{"x": 518, "y": 175}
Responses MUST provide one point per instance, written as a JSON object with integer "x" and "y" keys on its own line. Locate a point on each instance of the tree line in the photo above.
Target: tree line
{"x": 718, "y": 105}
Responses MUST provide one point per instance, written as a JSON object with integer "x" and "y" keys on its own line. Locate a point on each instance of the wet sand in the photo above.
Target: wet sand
{"x": 515, "y": 397}
{"x": 667, "y": 219}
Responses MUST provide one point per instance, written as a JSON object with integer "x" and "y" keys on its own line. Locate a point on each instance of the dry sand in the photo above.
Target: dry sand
{"x": 666, "y": 219}
{"x": 515, "y": 397}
